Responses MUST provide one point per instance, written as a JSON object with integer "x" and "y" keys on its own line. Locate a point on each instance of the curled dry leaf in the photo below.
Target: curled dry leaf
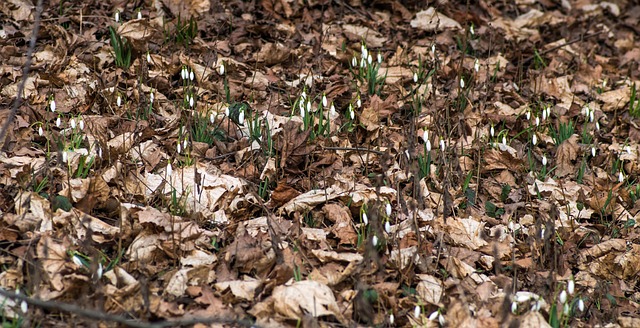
{"x": 306, "y": 297}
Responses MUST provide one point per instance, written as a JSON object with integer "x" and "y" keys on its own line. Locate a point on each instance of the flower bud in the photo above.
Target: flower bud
{"x": 388, "y": 209}
{"x": 374, "y": 240}
{"x": 365, "y": 219}
{"x": 52, "y": 105}
{"x": 387, "y": 227}
{"x": 563, "y": 297}
{"x": 580, "y": 305}
{"x": 221, "y": 69}
{"x": 117, "y": 16}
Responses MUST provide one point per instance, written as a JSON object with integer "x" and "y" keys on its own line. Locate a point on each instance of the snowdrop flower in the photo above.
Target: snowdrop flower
{"x": 472, "y": 30}
{"x": 354, "y": 61}
{"x": 169, "y": 170}
{"x": 379, "y": 58}
{"x": 536, "y": 306}
{"x": 363, "y": 63}
{"x": 148, "y": 58}
{"x": 221, "y": 68}
{"x": 81, "y": 123}
{"x": 302, "y": 112}
{"x": 425, "y": 135}
{"x": 415, "y": 77}
{"x": 24, "y": 307}
{"x": 369, "y": 59}
{"x": 139, "y": 14}
{"x": 461, "y": 83}
{"x": 358, "y": 102}
{"x": 476, "y": 65}
{"x": 548, "y": 111}
{"x": 387, "y": 227}
{"x": 433, "y": 50}
{"x": 504, "y": 140}
{"x": 433, "y": 316}
{"x": 534, "y": 139}
{"x": 571, "y": 285}
{"x": 537, "y": 121}
{"x": 76, "y": 260}
{"x": 593, "y": 151}
{"x": 152, "y": 97}
{"x": 580, "y": 305}
{"x": 428, "y": 145}
{"x": 72, "y": 122}
{"x": 226, "y": 111}
{"x": 442, "y": 144}
{"x": 391, "y": 319}
{"x": 492, "y": 131}
{"x": 352, "y": 114}
{"x": 58, "y": 121}
{"x": 565, "y": 309}
{"x": 542, "y": 232}
{"x": 544, "y": 115}
{"x": 627, "y": 148}
{"x": 309, "y": 106}
{"x": 620, "y": 176}
{"x": 563, "y": 297}
{"x": 364, "y": 51}
{"x": 441, "y": 319}
{"x": 117, "y": 16}
{"x": 374, "y": 240}
{"x": 528, "y": 115}
{"x": 99, "y": 270}
{"x": 99, "y": 152}
{"x": 52, "y": 105}
{"x": 179, "y": 148}
{"x": 332, "y": 110}
{"x": 212, "y": 118}
{"x": 544, "y": 160}
{"x": 365, "y": 219}
{"x": 416, "y": 311}
{"x": 388, "y": 209}
{"x": 597, "y": 126}
{"x": 241, "y": 118}
{"x": 585, "y": 111}
{"x": 119, "y": 101}
{"x": 40, "y": 131}
{"x": 184, "y": 73}
{"x": 192, "y": 76}
{"x": 324, "y": 100}
{"x": 406, "y": 153}
{"x": 191, "y": 102}
{"x": 65, "y": 156}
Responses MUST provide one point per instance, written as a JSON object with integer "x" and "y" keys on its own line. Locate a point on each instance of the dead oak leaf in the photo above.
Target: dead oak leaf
{"x": 566, "y": 154}
{"x": 292, "y": 144}
{"x": 283, "y": 193}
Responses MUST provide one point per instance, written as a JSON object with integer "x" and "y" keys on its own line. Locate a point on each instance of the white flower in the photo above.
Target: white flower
{"x": 185, "y": 143}
{"x": 544, "y": 160}
{"x": 192, "y": 76}
{"x": 406, "y": 153}
{"x": 40, "y": 131}
{"x": 76, "y": 260}
{"x": 99, "y": 270}
{"x": 212, "y": 118}
{"x": 416, "y": 311}
{"x": 52, "y": 105}
{"x": 374, "y": 240}
{"x": 563, "y": 297}
{"x": 441, "y": 319}
{"x": 425, "y": 135}
{"x": 537, "y": 121}
{"x": 597, "y": 126}
{"x": 241, "y": 118}
{"x": 303, "y": 95}
{"x": 542, "y": 232}
{"x": 179, "y": 148}
{"x": 139, "y": 14}
{"x": 565, "y": 309}
{"x": 352, "y": 114}
{"x": 387, "y": 227}
{"x": 332, "y": 110}
{"x": 119, "y": 101}
{"x": 191, "y": 102}
{"x": 391, "y": 319}
{"x": 415, "y": 77}
{"x": 221, "y": 69}
{"x": 571, "y": 285}
{"x": 535, "y": 307}
{"x": 226, "y": 111}
{"x": 476, "y": 65}
{"x": 433, "y": 50}
{"x": 580, "y": 305}
{"x": 534, "y": 139}
{"x": 593, "y": 151}
{"x": 627, "y": 148}
{"x": 388, "y": 209}
{"x": 152, "y": 97}
{"x": 99, "y": 152}
{"x": 461, "y": 83}
{"x": 363, "y": 63}
{"x": 548, "y": 109}
{"x": 72, "y": 122}
{"x": 308, "y": 106}
{"x": 442, "y": 145}
{"x": 544, "y": 115}
{"x": 369, "y": 59}
{"x": 365, "y": 219}
{"x": 24, "y": 307}
{"x": 492, "y": 131}
{"x": 364, "y": 51}
{"x": 472, "y": 30}
{"x": 302, "y": 112}
{"x": 512, "y": 226}
{"x": 148, "y": 58}
{"x": 184, "y": 73}
{"x": 117, "y": 16}
{"x": 504, "y": 140}
{"x": 169, "y": 170}
{"x": 81, "y": 124}
{"x": 354, "y": 61}
{"x": 591, "y": 116}
{"x": 379, "y": 58}
{"x": 620, "y": 176}
{"x": 358, "y": 102}
{"x": 58, "y": 121}
{"x": 324, "y": 101}
{"x": 528, "y": 115}
{"x": 585, "y": 111}
{"x": 433, "y": 316}
{"x": 428, "y": 145}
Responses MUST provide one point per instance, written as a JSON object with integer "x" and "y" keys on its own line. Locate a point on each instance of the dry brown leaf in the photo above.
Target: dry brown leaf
{"x": 430, "y": 289}
{"x": 342, "y": 223}
{"x": 306, "y": 297}
{"x": 565, "y": 155}
{"x": 430, "y": 20}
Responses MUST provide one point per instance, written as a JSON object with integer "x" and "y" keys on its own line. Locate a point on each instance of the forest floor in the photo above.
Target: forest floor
{"x": 320, "y": 163}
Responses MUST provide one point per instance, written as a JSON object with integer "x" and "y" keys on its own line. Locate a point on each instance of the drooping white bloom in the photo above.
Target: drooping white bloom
{"x": 591, "y": 116}
{"x": 179, "y": 148}
{"x": 528, "y": 115}
{"x": 492, "y": 131}
{"x": 476, "y": 65}
{"x": 504, "y": 140}
{"x": 369, "y": 59}
{"x": 81, "y": 123}
{"x": 571, "y": 285}
{"x": 148, "y": 57}
{"x": 534, "y": 139}
{"x": 364, "y": 51}
{"x": 119, "y": 101}
{"x": 302, "y": 114}
{"x": 544, "y": 160}
{"x": 358, "y": 102}
{"x": 100, "y": 152}
{"x": 627, "y": 148}
{"x": 388, "y": 209}
{"x": 332, "y": 110}
{"x": 365, "y": 219}
{"x": 72, "y": 122}
{"x": 416, "y": 311}
{"x": 461, "y": 83}
{"x": 433, "y": 50}
{"x": 406, "y": 153}
{"x": 425, "y": 135}
{"x": 191, "y": 101}
{"x": 303, "y": 95}
{"x": 221, "y": 69}
{"x": 387, "y": 227}
{"x": 352, "y": 114}
{"x": 391, "y": 319}
{"x": 212, "y": 118}
{"x": 139, "y": 14}
{"x": 241, "y": 118}
{"x": 441, "y": 319}
{"x": 117, "y": 16}
{"x": 379, "y": 58}
{"x": 152, "y": 97}
{"x": 363, "y": 62}
{"x": 308, "y": 106}
{"x": 415, "y": 77}
{"x": 563, "y": 297}
{"x": 597, "y": 126}
{"x": 354, "y": 61}
{"x": 565, "y": 309}
{"x": 40, "y": 131}
{"x": 52, "y": 105}
{"x": 99, "y": 270}
{"x": 58, "y": 121}
{"x": 620, "y": 176}
{"x": 24, "y": 307}
{"x": 76, "y": 260}
{"x": 192, "y": 76}
{"x": 544, "y": 115}
{"x": 542, "y": 232}
{"x": 184, "y": 73}
{"x": 433, "y": 316}
{"x": 580, "y": 305}
{"x": 324, "y": 100}
{"x": 593, "y": 151}
{"x": 442, "y": 145}
{"x": 428, "y": 145}
{"x": 169, "y": 169}
{"x": 226, "y": 111}
{"x": 548, "y": 109}
{"x": 537, "y": 121}
{"x": 472, "y": 30}
{"x": 374, "y": 240}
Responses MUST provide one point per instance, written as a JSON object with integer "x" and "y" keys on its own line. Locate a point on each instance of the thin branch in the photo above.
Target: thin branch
{"x": 103, "y": 316}
{"x": 25, "y": 73}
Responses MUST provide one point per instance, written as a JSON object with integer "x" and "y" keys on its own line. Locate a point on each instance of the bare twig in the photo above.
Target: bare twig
{"x": 103, "y": 316}
{"x": 25, "y": 73}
